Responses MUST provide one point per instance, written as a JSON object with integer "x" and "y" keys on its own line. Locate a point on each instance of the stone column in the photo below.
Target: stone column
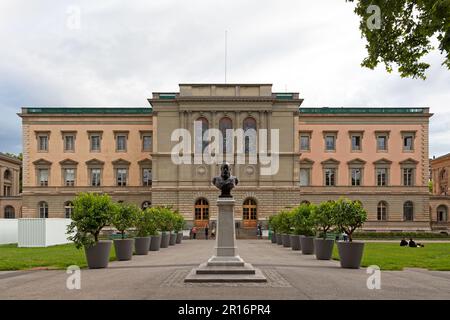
{"x": 225, "y": 240}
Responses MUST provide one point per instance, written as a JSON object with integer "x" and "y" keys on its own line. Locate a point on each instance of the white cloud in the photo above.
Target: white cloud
{"x": 125, "y": 50}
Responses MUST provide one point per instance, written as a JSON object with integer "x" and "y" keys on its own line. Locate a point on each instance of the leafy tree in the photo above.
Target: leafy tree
{"x": 124, "y": 217}
{"x": 91, "y": 213}
{"x": 274, "y": 222}
{"x": 179, "y": 222}
{"x": 324, "y": 217}
{"x": 142, "y": 224}
{"x": 350, "y": 215}
{"x": 284, "y": 222}
{"x": 302, "y": 221}
{"x": 404, "y": 32}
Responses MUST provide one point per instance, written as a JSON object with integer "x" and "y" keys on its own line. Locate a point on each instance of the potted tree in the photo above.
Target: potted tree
{"x": 172, "y": 218}
{"x": 142, "y": 239}
{"x": 165, "y": 226}
{"x": 153, "y": 216}
{"x": 279, "y": 231}
{"x": 295, "y": 235}
{"x": 302, "y": 219}
{"x": 124, "y": 218}
{"x": 273, "y": 227}
{"x": 285, "y": 227}
{"x": 179, "y": 226}
{"x": 350, "y": 215}
{"x": 91, "y": 213}
{"x": 324, "y": 221}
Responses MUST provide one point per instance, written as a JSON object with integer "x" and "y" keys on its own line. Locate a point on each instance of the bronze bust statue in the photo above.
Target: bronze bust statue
{"x": 225, "y": 182}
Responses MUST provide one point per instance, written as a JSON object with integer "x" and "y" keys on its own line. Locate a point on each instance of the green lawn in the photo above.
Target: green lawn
{"x": 56, "y": 257}
{"x": 390, "y": 256}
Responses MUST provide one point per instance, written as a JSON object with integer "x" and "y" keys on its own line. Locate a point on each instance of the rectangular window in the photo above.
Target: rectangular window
{"x": 121, "y": 177}
{"x": 147, "y": 177}
{"x": 69, "y": 177}
{"x": 7, "y": 191}
{"x": 305, "y": 177}
{"x": 356, "y": 177}
{"x": 95, "y": 143}
{"x": 408, "y": 174}
{"x": 330, "y": 177}
{"x": 330, "y": 143}
{"x": 43, "y": 177}
{"x": 381, "y": 143}
{"x": 147, "y": 144}
{"x": 121, "y": 143}
{"x": 69, "y": 143}
{"x": 96, "y": 177}
{"x": 304, "y": 142}
{"x": 382, "y": 177}
{"x": 43, "y": 143}
{"x": 356, "y": 143}
{"x": 408, "y": 143}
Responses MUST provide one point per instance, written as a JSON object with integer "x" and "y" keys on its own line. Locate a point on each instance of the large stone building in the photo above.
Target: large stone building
{"x": 440, "y": 200}
{"x": 376, "y": 155}
{"x": 10, "y": 201}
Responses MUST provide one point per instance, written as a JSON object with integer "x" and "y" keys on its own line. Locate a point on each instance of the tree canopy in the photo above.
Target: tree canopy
{"x": 404, "y": 32}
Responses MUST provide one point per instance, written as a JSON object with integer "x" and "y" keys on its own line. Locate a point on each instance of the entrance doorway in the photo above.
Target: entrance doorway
{"x": 249, "y": 213}
{"x": 201, "y": 213}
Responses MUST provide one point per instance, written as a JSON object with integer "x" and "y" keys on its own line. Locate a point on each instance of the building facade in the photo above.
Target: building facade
{"x": 10, "y": 200}
{"x": 376, "y": 155}
{"x": 440, "y": 200}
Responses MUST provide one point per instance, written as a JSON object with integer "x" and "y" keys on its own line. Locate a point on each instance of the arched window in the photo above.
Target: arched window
{"x": 226, "y": 124}
{"x": 442, "y": 213}
{"x": 201, "y": 211}
{"x": 7, "y": 175}
{"x": 408, "y": 211}
{"x": 200, "y": 144}
{"x": 10, "y": 212}
{"x": 43, "y": 209}
{"x": 249, "y": 213}
{"x": 249, "y": 127}
{"x": 382, "y": 211}
{"x": 68, "y": 209}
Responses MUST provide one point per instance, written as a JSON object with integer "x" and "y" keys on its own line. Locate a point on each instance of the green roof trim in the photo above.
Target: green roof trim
{"x": 326, "y": 110}
{"x": 85, "y": 110}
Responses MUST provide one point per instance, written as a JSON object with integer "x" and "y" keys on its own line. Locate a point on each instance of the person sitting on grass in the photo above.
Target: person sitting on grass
{"x": 413, "y": 244}
{"x": 403, "y": 243}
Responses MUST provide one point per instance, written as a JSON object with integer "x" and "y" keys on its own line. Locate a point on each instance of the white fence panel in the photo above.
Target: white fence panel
{"x": 8, "y": 231}
{"x": 39, "y": 232}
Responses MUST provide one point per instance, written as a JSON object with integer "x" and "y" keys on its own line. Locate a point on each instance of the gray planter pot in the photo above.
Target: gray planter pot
{"x": 155, "y": 243}
{"x": 179, "y": 237}
{"x": 165, "y": 239}
{"x": 141, "y": 245}
{"x": 279, "y": 239}
{"x": 295, "y": 242}
{"x": 124, "y": 249}
{"x": 274, "y": 238}
{"x": 307, "y": 244}
{"x": 286, "y": 240}
{"x": 350, "y": 254}
{"x": 323, "y": 248}
{"x": 97, "y": 256}
{"x": 172, "y": 239}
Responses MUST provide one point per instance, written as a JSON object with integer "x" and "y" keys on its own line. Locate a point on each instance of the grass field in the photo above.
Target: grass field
{"x": 390, "y": 256}
{"x": 56, "y": 257}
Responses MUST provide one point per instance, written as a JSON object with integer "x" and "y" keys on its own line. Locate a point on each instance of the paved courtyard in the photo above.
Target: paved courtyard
{"x": 160, "y": 276}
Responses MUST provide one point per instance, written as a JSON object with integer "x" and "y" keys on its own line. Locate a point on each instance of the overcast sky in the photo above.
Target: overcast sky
{"x": 124, "y": 50}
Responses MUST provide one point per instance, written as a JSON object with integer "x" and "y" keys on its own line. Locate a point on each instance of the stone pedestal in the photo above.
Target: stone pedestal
{"x": 225, "y": 265}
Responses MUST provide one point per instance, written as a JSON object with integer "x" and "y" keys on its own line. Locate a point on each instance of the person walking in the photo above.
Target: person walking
{"x": 206, "y": 232}
{"x": 213, "y": 232}
{"x": 194, "y": 232}
{"x": 259, "y": 231}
